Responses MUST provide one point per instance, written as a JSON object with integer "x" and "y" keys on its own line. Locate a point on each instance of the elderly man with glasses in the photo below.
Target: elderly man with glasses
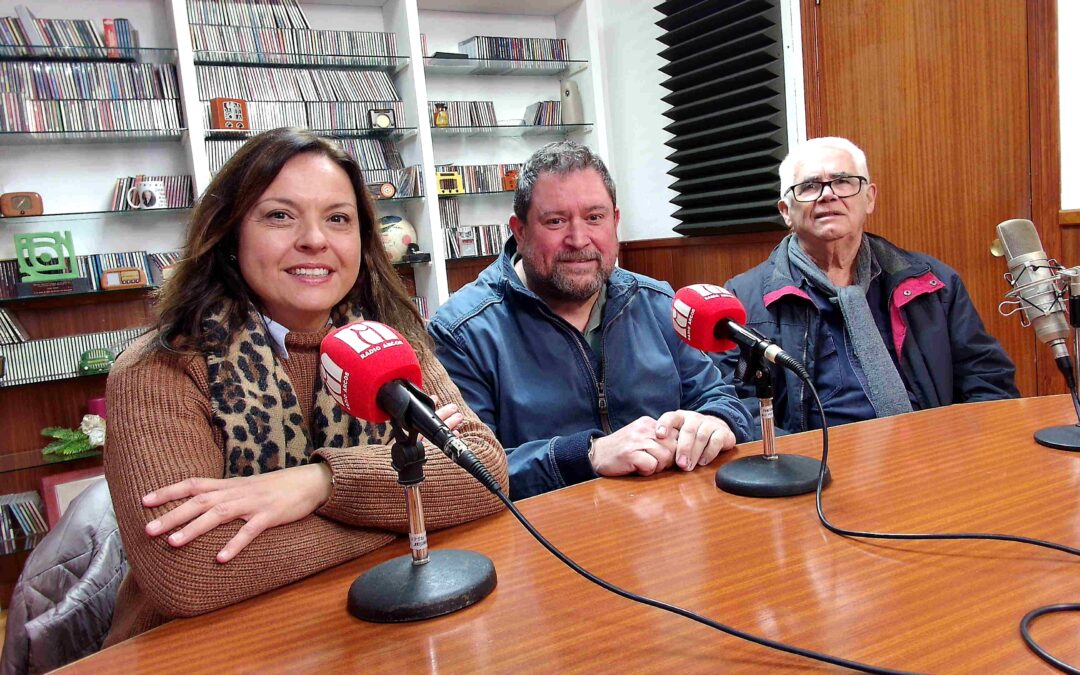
{"x": 882, "y": 331}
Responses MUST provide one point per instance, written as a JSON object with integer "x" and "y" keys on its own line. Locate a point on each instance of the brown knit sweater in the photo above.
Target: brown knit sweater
{"x": 161, "y": 432}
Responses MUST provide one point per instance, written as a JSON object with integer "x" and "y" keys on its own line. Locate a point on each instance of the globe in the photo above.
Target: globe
{"x": 397, "y": 234}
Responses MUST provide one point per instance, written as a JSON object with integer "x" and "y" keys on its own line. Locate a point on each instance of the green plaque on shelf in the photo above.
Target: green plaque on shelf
{"x": 46, "y": 256}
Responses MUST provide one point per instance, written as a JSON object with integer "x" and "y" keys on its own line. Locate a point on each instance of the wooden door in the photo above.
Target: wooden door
{"x": 955, "y": 104}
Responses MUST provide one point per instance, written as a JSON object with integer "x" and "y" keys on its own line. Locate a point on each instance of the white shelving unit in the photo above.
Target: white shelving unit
{"x": 76, "y": 177}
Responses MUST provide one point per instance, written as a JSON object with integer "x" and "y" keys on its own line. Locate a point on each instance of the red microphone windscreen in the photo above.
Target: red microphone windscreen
{"x": 358, "y": 359}
{"x": 696, "y": 311}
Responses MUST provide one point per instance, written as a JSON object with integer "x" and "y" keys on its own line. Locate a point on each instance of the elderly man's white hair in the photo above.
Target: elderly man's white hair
{"x": 787, "y": 167}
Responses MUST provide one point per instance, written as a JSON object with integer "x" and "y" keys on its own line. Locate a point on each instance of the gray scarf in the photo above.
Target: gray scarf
{"x": 887, "y": 392}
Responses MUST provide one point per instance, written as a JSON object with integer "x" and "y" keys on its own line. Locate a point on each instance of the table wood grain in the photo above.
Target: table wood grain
{"x": 762, "y": 565}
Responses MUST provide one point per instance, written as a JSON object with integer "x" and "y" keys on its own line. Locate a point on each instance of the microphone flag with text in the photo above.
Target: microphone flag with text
{"x": 712, "y": 319}
{"x": 373, "y": 374}
{"x": 1038, "y": 284}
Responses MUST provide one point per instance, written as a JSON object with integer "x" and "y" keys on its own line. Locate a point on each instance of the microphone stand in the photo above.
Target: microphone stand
{"x": 769, "y": 474}
{"x": 423, "y": 584}
{"x": 1067, "y": 436}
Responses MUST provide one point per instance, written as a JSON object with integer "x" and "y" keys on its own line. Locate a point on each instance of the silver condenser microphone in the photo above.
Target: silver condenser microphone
{"x": 1034, "y": 289}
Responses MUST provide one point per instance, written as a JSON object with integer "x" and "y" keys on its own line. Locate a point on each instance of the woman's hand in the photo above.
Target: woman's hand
{"x": 450, "y": 415}
{"x": 262, "y": 501}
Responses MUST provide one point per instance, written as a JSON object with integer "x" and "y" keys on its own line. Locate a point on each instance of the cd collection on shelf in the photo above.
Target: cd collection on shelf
{"x": 40, "y": 97}
{"x": 11, "y": 331}
{"x": 543, "y": 113}
{"x": 407, "y": 180}
{"x": 465, "y": 241}
{"x": 256, "y": 13}
{"x": 161, "y": 265}
{"x": 58, "y": 358}
{"x": 478, "y": 178}
{"x": 422, "y": 305}
{"x": 341, "y": 116}
{"x": 177, "y": 192}
{"x": 91, "y": 268}
{"x": 26, "y": 35}
{"x": 22, "y": 521}
{"x": 260, "y": 83}
{"x": 465, "y": 113}
{"x": 314, "y": 47}
{"x": 317, "y": 99}
{"x": 515, "y": 48}
{"x": 372, "y": 153}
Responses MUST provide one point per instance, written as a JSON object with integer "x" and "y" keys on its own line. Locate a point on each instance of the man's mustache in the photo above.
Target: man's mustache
{"x": 578, "y": 256}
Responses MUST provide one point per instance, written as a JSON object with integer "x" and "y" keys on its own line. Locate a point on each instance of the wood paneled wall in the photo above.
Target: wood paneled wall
{"x": 698, "y": 260}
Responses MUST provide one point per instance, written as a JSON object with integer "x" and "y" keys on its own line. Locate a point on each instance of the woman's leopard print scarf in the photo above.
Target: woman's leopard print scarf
{"x": 257, "y": 409}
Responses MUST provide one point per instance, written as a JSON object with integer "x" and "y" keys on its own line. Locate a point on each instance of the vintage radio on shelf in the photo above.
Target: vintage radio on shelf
{"x": 122, "y": 277}
{"x": 449, "y": 182}
{"x": 230, "y": 114}
{"x": 96, "y": 360}
{"x": 15, "y": 204}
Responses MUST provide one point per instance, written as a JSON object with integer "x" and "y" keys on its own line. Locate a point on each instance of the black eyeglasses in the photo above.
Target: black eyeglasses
{"x": 811, "y": 190}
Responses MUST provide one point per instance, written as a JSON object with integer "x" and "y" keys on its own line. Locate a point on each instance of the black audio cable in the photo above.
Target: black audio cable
{"x": 480, "y": 472}
{"x": 1025, "y": 623}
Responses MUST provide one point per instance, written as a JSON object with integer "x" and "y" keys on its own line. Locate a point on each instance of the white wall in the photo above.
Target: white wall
{"x": 636, "y": 135}
{"x": 1069, "y": 84}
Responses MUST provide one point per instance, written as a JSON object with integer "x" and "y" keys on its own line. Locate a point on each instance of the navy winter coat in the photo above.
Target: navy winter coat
{"x": 946, "y": 355}
{"x": 532, "y": 378}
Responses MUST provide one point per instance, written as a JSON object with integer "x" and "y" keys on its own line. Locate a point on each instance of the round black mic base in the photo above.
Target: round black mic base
{"x": 396, "y": 590}
{"x": 782, "y": 476}
{"x": 1065, "y": 437}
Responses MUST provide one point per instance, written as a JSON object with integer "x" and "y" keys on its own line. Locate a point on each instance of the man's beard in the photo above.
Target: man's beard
{"x": 560, "y": 286}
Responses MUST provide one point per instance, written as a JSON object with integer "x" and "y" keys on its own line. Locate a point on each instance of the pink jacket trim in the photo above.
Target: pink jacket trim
{"x": 770, "y": 298}
{"x": 905, "y": 292}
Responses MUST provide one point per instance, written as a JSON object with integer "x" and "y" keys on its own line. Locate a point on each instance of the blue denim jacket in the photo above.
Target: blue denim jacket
{"x": 946, "y": 356}
{"x": 533, "y": 379}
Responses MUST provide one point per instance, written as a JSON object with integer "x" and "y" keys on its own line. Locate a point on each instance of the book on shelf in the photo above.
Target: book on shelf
{"x": 515, "y": 48}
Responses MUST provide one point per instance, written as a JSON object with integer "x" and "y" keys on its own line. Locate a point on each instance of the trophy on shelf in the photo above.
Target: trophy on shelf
{"x": 47, "y": 264}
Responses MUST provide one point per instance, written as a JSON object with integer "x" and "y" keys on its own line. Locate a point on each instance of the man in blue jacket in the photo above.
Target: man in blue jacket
{"x": 882, "y": 331}
{"x": 572, "y": 362}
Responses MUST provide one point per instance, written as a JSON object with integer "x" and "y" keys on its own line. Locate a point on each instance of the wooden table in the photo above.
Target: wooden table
{"x": 764, "y": 566}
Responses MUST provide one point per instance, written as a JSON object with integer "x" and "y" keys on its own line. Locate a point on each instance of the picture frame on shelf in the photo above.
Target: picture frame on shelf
{"x": 59, "y": 489}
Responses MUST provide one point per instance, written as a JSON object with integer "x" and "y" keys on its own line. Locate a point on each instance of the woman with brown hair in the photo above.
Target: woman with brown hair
{"x": 232, "y": 470}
